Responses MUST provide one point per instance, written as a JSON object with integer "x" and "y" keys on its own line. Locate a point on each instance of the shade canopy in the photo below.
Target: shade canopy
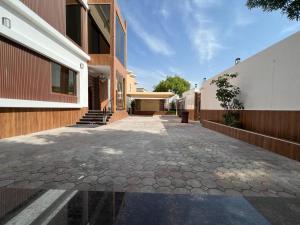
{"x": 150, "y": 95}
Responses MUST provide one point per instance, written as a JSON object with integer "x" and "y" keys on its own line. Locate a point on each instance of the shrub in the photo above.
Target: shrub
{"x": 227, "y": 96}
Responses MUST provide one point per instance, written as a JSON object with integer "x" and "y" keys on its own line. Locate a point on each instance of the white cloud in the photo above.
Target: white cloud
{"x": 201, "y": 29}
{"x": 154, "y": 43}
{"x": 206, "y": 42}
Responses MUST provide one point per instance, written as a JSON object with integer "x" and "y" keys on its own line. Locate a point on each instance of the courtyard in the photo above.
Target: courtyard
{"x": 146, "y": 154}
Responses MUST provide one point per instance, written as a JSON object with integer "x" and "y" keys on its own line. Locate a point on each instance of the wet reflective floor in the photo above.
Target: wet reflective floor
{"x": 60, "y": 207}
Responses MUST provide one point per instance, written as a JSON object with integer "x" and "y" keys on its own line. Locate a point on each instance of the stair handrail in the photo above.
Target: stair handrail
{"x": 105, "y": 109}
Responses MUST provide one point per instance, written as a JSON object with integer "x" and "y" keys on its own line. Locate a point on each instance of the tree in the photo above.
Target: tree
{"x": 227, "y": 96}
{"x": 173, "y": 83}
{"x": 289, "y": 7}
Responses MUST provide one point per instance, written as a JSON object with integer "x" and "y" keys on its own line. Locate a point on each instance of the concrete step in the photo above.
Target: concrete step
{"x": 98, "y": 114}
{"x": 97, "y": 111}
{"x": 90, "y": 122}
{"x": 95, "y": 116}
{"x": 93, "y": 119}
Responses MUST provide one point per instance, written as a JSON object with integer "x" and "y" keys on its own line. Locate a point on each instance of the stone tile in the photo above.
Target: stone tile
{"x": 215, "y": 192}
{"x": 149, "y": 181}
{"x": 181, "y": 191}
{"x": 134, "y": 180}
{"x": 193, "y": 183}
{"x": 178, "y": 183}
{"x": 163, "y": 182}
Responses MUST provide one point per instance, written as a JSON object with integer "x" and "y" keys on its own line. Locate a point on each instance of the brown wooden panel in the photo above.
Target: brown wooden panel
{"x": 279, "y": 146}
{"x": 52, "y": 11}
{"x": 118, "y": 115}
{"x": 26, "y": 75}
{"x": 19, "y": 121}
{"x": 84, "y": 29}
{"x": 280, "y": 124}
{"x": 12, "y": 199}
{"x": 103, "y": 94}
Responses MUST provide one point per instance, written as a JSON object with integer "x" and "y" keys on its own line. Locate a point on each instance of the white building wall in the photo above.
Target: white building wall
{"x": 31, "y": 31}
{"x": 189, "y": 97}
{"x": 270, "y": 80}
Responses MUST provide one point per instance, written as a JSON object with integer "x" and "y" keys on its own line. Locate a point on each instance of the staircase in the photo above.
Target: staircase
{"x": 95, "y": 117}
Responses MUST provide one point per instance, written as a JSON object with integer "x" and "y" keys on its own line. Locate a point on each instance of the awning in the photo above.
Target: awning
{"x": 150, "y": 95}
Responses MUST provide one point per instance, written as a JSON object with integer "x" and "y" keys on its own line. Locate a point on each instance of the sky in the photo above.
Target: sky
{"x": 196, "y": 39}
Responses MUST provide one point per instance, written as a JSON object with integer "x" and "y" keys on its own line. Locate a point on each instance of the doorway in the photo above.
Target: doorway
{"x": 93, "y": 93}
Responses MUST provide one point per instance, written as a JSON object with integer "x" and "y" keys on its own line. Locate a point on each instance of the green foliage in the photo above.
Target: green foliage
{"x": 227, "y": 96}
{"x": 289, "y": 7}
{"x": 173, "y": 83}
{"x": 232, "y": 118}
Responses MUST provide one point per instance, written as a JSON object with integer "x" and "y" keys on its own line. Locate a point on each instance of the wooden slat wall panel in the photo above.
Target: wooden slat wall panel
{"x": 17, "y": 121}
{"x": 52, "y": 11}
{"x": 13, "y": 198}
{"x": 280, "y": 124}
{"x": 279, "y": 146}
{"x": 26, "y": 75}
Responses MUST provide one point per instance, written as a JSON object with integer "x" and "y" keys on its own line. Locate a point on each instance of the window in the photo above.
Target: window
{"x": 120, "y": 42}
{"x": 99, "y": 29}
{"x": 97, "y": 41}
{"x": 63, "y": 80}
{"x": 120, "y": 92}
{"x": 73, "y": 22}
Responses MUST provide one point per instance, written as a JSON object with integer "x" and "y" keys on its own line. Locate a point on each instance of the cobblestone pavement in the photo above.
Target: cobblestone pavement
{"x": 146, "y": 154}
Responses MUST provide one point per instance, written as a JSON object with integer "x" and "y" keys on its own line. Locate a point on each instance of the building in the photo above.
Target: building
{"x": 270, "y": 91}
{"x": 190, "y": 102}
{"x": 131, "y": 88}
{"x": 60, "y": 59}
{"x": 131, "y": 82}
{"x": 150, "y": 103}
{"x": 141, "y": 89}
{"x": 144, "y": 102}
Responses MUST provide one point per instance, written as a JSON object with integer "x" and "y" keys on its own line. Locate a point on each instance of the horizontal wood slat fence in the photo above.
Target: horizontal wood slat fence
{"x": 278, "y": 124}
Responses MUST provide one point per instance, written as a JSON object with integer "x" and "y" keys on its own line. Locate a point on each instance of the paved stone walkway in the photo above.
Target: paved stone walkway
{"x": 146, "y": 154}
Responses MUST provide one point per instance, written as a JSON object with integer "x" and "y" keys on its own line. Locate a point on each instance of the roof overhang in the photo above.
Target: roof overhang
{"x": 150, "y": 95}
{"x": 97, "y": 70}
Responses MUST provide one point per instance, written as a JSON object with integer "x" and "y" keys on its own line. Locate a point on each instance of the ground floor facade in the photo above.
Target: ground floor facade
{"x": 47, "y": 81}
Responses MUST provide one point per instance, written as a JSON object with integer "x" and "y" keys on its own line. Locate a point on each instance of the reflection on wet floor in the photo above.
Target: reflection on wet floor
{"x": 60, "y": 207}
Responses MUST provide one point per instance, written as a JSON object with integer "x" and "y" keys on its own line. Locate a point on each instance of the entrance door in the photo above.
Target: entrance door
{"x": 90, "y": 98}
{"x": 93, "y": 92}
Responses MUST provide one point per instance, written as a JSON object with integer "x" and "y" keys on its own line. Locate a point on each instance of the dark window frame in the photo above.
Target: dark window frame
{"x": 68, "y": 73}
{"x": 91, "y": 50}
{"x": 80, "y": 43}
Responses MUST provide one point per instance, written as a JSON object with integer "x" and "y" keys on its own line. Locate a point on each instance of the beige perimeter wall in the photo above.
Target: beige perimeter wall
{"x": 150, "y": 105}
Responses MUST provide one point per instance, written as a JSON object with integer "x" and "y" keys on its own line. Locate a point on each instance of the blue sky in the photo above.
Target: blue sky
{"x": 196, "y": 38}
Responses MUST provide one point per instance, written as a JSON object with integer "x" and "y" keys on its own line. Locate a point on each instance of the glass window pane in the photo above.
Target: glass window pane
{"x": 99, "y": 29}
{"x": 73, "y": 22}
{"x": 56, "y": 77}
{"x": 120, "y": 42}
{"x": 63, "y": 80}
{"x": 72, "y": 83}
{"x": 120, "y": 92}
